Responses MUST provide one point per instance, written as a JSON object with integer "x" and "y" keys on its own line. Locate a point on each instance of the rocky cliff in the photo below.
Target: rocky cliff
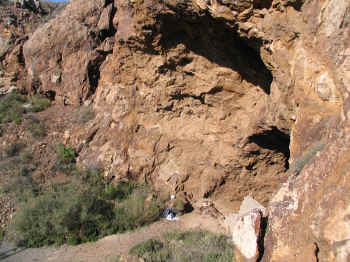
{"x": 216, "y": 99}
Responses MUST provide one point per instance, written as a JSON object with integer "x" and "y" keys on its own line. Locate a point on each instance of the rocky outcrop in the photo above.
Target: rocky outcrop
{"x": 189, "y": 108}
{"x": 307, "y": 216}
{"x": 212, "y": 98}
{"x": 72, "y": 48}
{"x": 17, "y": 22}
{"x": 247, "y": 228}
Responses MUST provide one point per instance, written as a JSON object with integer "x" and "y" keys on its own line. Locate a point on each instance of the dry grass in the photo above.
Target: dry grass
{"x": 191, "y": 246}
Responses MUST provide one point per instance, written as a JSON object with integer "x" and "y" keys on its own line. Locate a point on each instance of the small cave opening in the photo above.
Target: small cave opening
{"x": 93, "y": 73}
{"x": 275, "y": 140}
{"x": 217, "y": 42}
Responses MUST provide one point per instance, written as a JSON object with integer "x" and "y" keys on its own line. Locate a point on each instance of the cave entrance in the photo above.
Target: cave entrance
{"x": 275, "y": 140}
{"x": 217, "y": 42}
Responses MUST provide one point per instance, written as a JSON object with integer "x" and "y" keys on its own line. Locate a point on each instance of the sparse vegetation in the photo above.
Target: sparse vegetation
{"x": 2, "y": 235}
{"x": 39, "y": 103}
{"x": 187, "y": 246}
{"x": 12, "y": 106}
{"x": 299, "y": 163}
{"x": 80, "y": 211}
{"x": 36, "y": 127}
{"x": 21, "y": 186}
{"x": 51, "y": 9}
{"x": 13, "y": 149}
{"x": 65, "y": 159}
{"x": 84, "y": 114}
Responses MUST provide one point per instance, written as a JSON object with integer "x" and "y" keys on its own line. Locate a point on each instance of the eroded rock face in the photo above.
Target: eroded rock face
{"x": 17, "y": 23}
{"x": 314, "y": 205}
{"x": 211, "y": 98}
{"x": 306, "y": 216}
{"x": 189, "y": 107}
{"x": 69, "y": 47}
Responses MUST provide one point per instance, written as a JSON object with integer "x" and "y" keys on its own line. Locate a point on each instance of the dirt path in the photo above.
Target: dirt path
{"x": 109, "y": 247}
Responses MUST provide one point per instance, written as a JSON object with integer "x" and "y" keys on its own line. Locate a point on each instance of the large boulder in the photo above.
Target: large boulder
{"x": 66, "y": 46}
{"x": 247, "y": 229}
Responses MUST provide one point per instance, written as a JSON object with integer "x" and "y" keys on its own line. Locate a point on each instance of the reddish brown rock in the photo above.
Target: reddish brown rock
{"x": 211, "y": 98}
{"x": 67, "y": 47}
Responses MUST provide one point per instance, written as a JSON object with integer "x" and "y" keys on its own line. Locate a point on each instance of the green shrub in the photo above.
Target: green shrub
{"x": 65, "y": 159}
{"x": 120, "y": 191}
{"x": 39, "y": 103}
{"x": 11, "y": 108}
{"x": 187, "y": 246}
{"x": 79, "y": 212}
{"x": 36, "y": 127}
{"x": 151, "y": 250}
{"x": 138, "y": 210}
{"x": 21, "y": 186}
{"x": 66, "y": 215}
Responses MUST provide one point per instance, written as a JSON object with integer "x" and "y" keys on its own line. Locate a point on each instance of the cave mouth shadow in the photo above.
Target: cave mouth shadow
{"x": 275, "y": 140}
{"x": 218, "y": 42}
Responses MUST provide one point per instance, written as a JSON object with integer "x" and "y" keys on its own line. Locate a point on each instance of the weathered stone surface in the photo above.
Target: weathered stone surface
{"x": 314, "y": 206}
{"x": 246, "y": 236}
{"x": 249, "y": 204}
{"x": 67, "y": 46}
{"x": 212, "y": 98}
{"x": 105, "y": 19}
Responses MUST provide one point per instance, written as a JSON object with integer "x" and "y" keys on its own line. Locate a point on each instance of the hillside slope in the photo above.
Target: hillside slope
{"x": 214, "y": 99}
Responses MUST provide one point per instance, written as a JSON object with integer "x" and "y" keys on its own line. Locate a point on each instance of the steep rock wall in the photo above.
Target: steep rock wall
{"x": 212, "y": 98}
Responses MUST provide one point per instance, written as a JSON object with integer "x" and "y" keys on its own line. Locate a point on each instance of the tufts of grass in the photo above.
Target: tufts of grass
{"x": 81, "y": 211}
{"x": 299, "y": 163}
{"x": 137, "y": 210}
{"x": 36, "y": 127}
{"x": 11, "y": 108}
{"x": 39, "y": 103}
{"x": 187, "y": 246}
{"x": 65, "y": 159}
{"x": 152, "y": 250}
{"x": 84, "y": 114}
